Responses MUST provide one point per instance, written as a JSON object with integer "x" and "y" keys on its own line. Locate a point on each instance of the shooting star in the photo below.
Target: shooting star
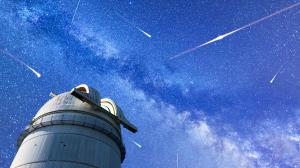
{"x": 274, "y": 77}
{"x": 145, "y": 33}
{"x": 132, "y": 25}
{"x": 73, "y": 17}
{"x": 137, "y": 144}
{"x": 177, "y": 160}
{"x": 220, "y": 37}
{"x": 21, "y": 62}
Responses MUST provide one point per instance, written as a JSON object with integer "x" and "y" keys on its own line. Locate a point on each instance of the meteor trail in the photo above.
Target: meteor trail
{"x": 75, "y": 12}
{"x": 177, "y": 160}
{"x": 272, "y": 80}
{"x": 137, "y": 144}
{"x": 220, "y": 37}
{"x": 21, "y": 62}
{"x": 145, "y": 33}
{"x": 274, "y": 77}
{"x": 132, "y": 25}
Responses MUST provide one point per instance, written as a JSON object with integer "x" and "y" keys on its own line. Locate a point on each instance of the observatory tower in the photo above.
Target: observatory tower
{"x": 74, "y": 129}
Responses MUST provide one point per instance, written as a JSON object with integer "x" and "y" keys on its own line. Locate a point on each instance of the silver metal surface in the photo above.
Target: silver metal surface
{"x": 74, "y": 130}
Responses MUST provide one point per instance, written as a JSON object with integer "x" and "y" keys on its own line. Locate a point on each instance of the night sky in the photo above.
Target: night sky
{"x": 213, "y": 108}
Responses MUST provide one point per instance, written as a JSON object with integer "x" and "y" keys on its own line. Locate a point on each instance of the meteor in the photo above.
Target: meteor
{"x": 137, "y": 144}
{"x": 21, "y": 62}
{"x": 220, "y": 37}
{"x": 145, "y": 33}
{"x": 132, "y": 25}
{"x": 274, "y": 77}
{"x": 75, "y": 12}
{"x": 34, "y": 71}
{"x": 177, "y": 160}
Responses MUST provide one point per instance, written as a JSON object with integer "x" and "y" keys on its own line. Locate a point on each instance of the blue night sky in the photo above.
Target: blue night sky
{"x": 214, "y": 107}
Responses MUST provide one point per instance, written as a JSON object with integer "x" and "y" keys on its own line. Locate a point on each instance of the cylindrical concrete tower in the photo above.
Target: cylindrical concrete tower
{"x": 74, "y": 130}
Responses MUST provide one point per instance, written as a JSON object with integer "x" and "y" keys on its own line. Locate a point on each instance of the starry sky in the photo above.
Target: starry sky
{"x": 213, "y": 108}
